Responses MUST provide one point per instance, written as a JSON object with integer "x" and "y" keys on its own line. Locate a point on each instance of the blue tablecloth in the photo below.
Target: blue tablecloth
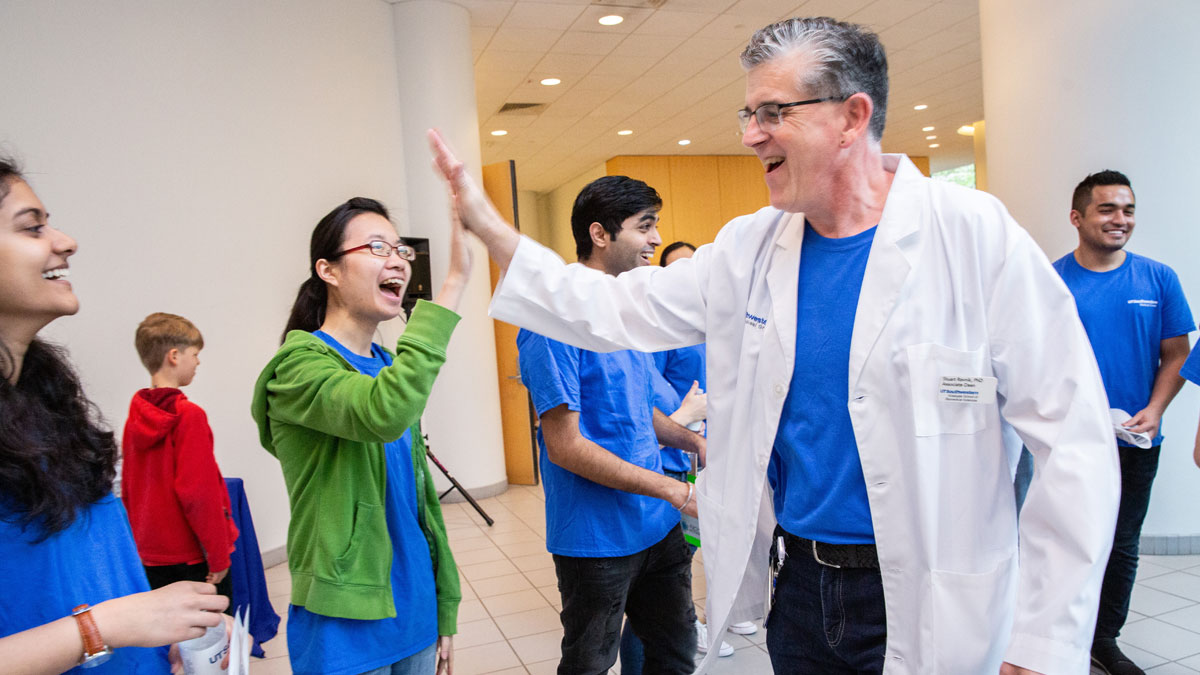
{"x": 249, "y": 578}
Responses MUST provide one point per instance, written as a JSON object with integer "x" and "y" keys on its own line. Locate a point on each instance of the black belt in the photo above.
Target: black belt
{"x": 858, "y": 556}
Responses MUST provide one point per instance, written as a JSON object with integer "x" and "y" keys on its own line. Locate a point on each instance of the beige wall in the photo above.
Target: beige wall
{"x": 700, "y": 193}
{"x": 554, "y": 225}
{"x": 190, "y": 148}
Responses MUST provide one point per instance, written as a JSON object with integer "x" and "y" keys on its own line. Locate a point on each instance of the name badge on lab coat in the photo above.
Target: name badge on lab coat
{"x": 958, "y": 389}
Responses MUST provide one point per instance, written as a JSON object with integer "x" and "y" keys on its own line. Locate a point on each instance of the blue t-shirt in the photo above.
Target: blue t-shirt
{"x": 683, "y": 366}
{"x": 666, "y": 400}
{"x": 613, "y": 395}
{"x": 1127, "y": 313}
{"x": 820, "y": 492}
{"x": 324, "y": 644}
{"x": 94, "y": 559}
{"x": 1191, "y": 368}
{"x": 679, "y": 368}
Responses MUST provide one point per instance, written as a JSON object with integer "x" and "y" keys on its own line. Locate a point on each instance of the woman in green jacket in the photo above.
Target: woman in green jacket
{"x": 374, "y": 586}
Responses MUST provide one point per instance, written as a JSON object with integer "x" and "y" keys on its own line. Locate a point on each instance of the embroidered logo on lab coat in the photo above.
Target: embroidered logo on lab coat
{"x": 755, "y": 321}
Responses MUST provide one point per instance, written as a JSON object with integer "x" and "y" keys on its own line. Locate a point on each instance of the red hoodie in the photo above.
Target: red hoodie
{"x": 174, "y": 493}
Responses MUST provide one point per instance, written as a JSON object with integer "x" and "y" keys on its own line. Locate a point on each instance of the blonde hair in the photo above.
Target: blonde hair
{"x": 159, "y": 333}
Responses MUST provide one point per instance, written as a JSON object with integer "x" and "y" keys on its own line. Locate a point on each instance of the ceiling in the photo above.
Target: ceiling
{"x": 670, "y": 71}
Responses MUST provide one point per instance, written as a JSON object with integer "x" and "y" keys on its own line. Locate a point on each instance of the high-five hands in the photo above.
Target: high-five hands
{"x": 474, "y": 209}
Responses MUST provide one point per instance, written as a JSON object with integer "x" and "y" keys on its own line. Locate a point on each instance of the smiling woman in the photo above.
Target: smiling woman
{"x": 59, "y": 522}
{"x": 374, "y": 585}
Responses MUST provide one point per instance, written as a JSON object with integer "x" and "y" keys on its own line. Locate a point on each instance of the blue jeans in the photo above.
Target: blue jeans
{"x": 1138, "y": 468}
{"x": 423, "y": 662}
{"x": 653, "y": 587}
{"x": 826, "y": 620}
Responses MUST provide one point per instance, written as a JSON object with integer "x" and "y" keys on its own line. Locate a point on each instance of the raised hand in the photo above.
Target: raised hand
{"x": 473, "y": 207}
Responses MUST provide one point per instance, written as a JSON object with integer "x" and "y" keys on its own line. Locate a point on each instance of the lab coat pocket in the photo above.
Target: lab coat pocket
{"x": 928, "y": 363}
{"x": 982, "y": 601}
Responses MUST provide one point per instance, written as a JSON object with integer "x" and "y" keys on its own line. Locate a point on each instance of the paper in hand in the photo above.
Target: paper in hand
{"x": 239, "y": 644}
{"x": 1137, "y": 439}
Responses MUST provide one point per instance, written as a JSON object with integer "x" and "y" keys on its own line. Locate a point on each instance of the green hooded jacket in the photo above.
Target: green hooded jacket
{"x": 327, "y": 424}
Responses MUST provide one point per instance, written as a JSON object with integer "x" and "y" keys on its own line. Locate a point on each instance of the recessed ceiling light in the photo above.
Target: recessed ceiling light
{"x": 611, "y": 20}
{"x": 930, "y": 138}
{"x": 500, "y": 132}
{"x": 625, "y": 132}
{"x": 967, "y": 130}
{"x": 935, "y": 145}
{"x": 685, "y": 142}
{"x": 551, "y": 81}
{"x": 926, "y": 128}
{"x": 920, "y": 107}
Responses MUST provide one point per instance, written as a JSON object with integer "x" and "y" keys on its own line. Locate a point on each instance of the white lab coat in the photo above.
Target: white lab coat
{"x": 953, "y": 287}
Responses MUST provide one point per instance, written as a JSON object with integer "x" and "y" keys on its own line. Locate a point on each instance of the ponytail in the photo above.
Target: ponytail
{"x": 308, "y": 311}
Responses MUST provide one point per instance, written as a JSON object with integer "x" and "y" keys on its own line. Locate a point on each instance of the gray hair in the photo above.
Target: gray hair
{"x": 848, "y": 59}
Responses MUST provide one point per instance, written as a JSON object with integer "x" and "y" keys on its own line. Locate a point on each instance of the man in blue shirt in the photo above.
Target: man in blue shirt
{"x": 1138, "y": 321}
{"x": 612, "y": 517}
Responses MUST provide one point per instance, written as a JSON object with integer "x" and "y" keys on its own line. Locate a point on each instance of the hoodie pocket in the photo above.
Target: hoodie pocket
{"x": 367, "y": 559}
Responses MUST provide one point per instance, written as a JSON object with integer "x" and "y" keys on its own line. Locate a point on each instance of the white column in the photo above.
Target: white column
{"x": 1075, "y": 86}
{"x": 437, "y": 89}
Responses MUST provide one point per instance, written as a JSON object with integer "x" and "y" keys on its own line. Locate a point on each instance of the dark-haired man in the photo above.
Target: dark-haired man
{"x": 1138, "y": 321}
{"x": 879, "y": 345}
{"x": 612, "y": 517}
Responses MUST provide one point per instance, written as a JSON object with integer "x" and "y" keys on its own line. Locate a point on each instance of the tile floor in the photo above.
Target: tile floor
{"x": 508, "y": 621}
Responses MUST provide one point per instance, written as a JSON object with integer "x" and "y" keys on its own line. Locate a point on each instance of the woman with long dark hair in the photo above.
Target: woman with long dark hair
{"x": 374, "y": 586}
{"x": 75, "y": 593}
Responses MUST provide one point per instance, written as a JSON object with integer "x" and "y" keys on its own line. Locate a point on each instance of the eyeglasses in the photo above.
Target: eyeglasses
{"x": 770, "y": 115}
{"x": 383, "y": 250}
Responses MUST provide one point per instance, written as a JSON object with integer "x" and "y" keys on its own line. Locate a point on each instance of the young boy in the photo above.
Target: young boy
{"x": 174, "y": 493}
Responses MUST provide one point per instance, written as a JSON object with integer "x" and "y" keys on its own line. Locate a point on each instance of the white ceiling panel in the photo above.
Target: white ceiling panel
{"x": 589, "y": 19}
{"x": 587, "y": 42}
{"x": 737, "y": 27}
{"x": 714, "y": 6}
{"x": 524, "y": 39}
{"x": 602, "y": 84}
{"x": 775, "y": 9}
{"x": 563, "y": 66}
{"x": 936, "y": 45}
{"x": 838, "y": 9}
{"x": 497, "y": 61}
{"x": 532, "y": 92}
{"x": 673, "y": 72}
{"x": 542, "y": 15}
{"x": 571, "y": 105}
{"x": 883, "y": 14}
{"x": 649, "y": 46}
{"x": 674, "y": 23}
{"x": 932, "y": 20}
{"x": 624, "y": 66}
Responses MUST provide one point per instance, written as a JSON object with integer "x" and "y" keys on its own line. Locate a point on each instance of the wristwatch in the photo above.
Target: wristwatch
{"x": 95, "y": 651}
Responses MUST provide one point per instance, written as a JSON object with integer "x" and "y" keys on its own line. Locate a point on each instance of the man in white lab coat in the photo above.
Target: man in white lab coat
{"x": 949, "y": 341}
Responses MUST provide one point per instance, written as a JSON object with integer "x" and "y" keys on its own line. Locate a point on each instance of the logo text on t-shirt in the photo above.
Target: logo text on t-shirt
{"x": 1143, "y": 303}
